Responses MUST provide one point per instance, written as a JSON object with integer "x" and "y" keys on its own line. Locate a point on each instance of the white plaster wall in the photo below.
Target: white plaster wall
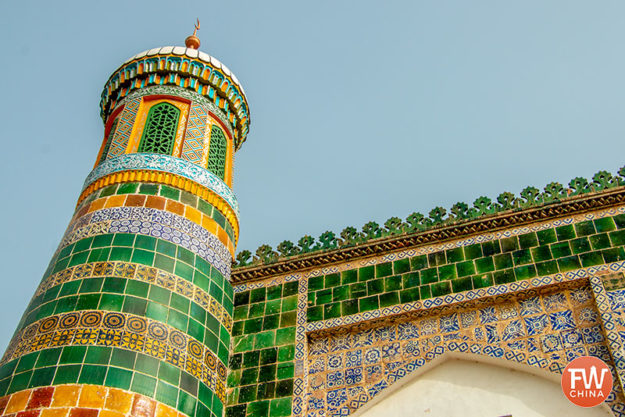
{"x": 472, "y": 389}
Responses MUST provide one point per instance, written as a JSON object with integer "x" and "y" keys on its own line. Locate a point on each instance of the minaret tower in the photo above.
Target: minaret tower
{"x": 133, "y": 316}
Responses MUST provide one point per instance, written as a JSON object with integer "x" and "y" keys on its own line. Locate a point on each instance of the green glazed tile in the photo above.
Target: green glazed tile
{"x": 389, "y": 299}
{"x": 280, "y": 407}
{"x": 473, "y": 251}
{"x": 541, "y": 253}
{"x": 591, "y": 259}
{"x": 437, "y": 258}
{"x": 441, "y": 288}
{"x": 465, "y": 268}
{"x": 600, "y": 241}
{"x": 560, "y": 250}
{"x": 331, "y": 311}
{"x": 375, "y": 286}
{"x": 565, "y": 232}
{"x": 569, "y": 263}
{"x": 482, "y": 281}
{"x": 619, "y": 220}
{"x": 509, "y": 244}
{"x": 617, "y": 238}
{"x": 315, "y": 283}
{"x": 546, "y": 236}
{"x": 410, "y": 280}
{"x": 145, "y": 242}
{"x": 580, "y": 245}
{"x": 366, "y": 273}
{"x": 358, "y": 290}
{"x": 400, "y": 266}
{"x": 418, "y": 262}
{"x": 384, "y": 269}
{"x": 528, "y": 240}
{"x": 341, "y": 293}
{"x": 525, "y": 272}
{"x": 461, "y": 284}
{"x": 521, "y": 257}
{"x": 392, "y": 283}
{"x": 491, "y": 248}
{"x": 605, "y": 224}
{"x": 484, "y": 265}
{"x": 429, "y": 275}
{"x": 349, "y": 307}
{"x": 547, "y": 268}
{"x": 332, "y": 280}
{"x": 368, "y": 303}
{"x": 409, "y": 295}
{"x": 455, "y": 255}
{"x": 447, "y": 272}
{"x": 584, "y": 228}
{"x": 349, "y": 276}
{"x": 504, "y": 276}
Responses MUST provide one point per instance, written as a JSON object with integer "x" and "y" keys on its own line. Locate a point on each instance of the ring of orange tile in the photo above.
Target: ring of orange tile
{"x": 160, "y": 203}
{"x": 159, "y": 177}
{"x": 77, "y": 400}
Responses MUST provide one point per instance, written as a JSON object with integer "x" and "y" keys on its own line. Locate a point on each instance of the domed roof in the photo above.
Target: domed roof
{"x": 182, "y": 67}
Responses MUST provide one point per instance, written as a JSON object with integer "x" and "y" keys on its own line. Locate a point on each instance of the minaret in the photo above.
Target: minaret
{"x": 134, "y": 314}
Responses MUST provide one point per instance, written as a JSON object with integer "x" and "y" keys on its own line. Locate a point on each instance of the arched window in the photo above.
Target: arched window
{"x": 218, "y": 148}
{"x": 109, "y": 139}
{"x": 159, "y": 132}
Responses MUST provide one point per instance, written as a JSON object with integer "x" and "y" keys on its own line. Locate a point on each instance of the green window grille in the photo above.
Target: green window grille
{"x": 109, "y": 139}
{"x": 217, "y": 152}
{"x": 159, "y": 132}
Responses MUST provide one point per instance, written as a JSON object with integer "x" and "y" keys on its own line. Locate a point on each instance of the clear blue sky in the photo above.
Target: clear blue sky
{"x": 360, "y": 110}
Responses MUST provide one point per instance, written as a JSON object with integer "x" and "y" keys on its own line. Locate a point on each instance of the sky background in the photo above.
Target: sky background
{"x": 360, "y": 111}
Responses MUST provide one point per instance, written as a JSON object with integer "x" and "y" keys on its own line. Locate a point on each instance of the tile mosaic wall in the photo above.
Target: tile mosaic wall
{"x": 471, "y": 266}
{"x": 160, "y": 197}
{"x": 168, "y": 164}
{"x": 348, "y": 369}
{"x": 527, "y": 294}
{"x": 263, "y": 349}
{"x": 136, "y": 298}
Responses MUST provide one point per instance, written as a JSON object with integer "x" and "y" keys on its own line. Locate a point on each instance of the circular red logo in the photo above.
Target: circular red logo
{"x": 586, "y": 381}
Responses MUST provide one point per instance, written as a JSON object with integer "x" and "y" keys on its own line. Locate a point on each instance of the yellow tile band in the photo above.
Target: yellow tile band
{"x": 81, "y": 399}
{"x": 169, "y": 205}
{"x": 166, "y": 179}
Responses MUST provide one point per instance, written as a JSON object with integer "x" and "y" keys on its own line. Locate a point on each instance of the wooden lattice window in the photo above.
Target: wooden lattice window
{"x": 109, "y": 139}
{"x": 159, "y": 132}
{"x": 217, "y": 151}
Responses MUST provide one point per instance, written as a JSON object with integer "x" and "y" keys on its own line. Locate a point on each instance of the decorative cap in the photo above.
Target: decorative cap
{"x": 193, "y": 41}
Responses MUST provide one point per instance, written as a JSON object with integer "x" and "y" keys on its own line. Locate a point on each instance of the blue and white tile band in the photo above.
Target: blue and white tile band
{"x": 155, "y": 223}
{"x": 165, "y": 163}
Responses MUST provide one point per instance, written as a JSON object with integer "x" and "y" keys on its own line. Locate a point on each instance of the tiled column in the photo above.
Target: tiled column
{"x": 133, "y": 316}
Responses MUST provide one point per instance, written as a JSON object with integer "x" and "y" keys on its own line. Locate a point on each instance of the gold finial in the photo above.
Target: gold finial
{"x": 193, "y": 41}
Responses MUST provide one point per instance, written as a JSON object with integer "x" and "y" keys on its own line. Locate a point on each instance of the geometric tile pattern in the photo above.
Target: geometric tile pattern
{"x": 124, "y": 128}
{"x": 545, "y": 330}
{"x": 155, "y": 276}
{"x": 168, "y": 164}
{"x": 543, "y": 320}
{"x": 127, "y": 331}
{"x": 220, "y": 227}
{"x": 193, "y": 146}
{"x": 155, "y": 223}
{"x": 610, "y": 308}
{"x": 184, "y": 93}
{"x": 165, "y": 198}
